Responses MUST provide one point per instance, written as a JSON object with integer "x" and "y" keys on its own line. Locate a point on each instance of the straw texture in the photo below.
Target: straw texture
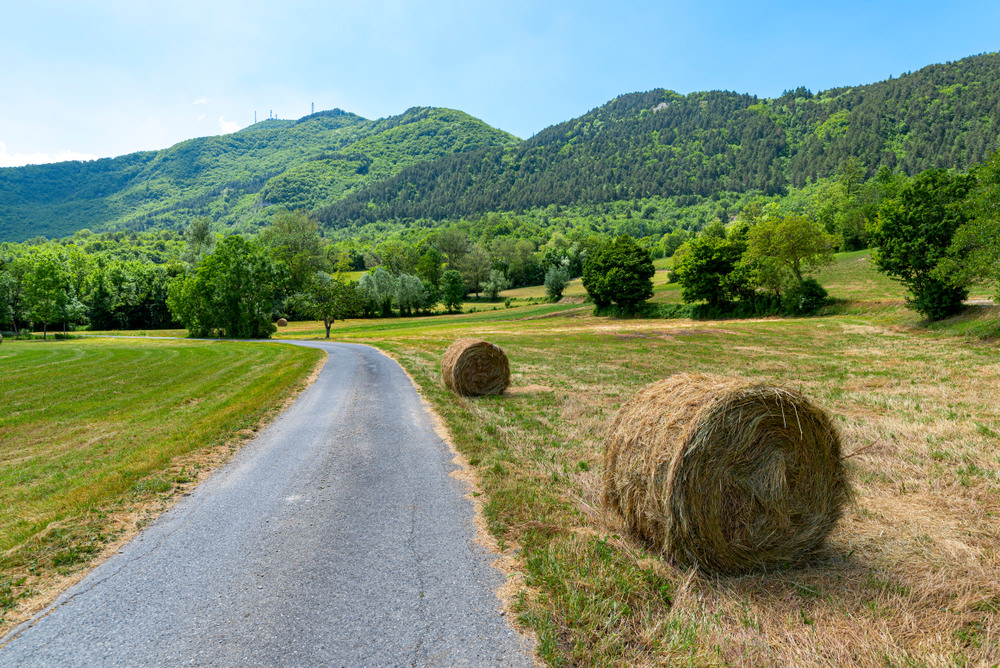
{"x": 473, "y": 368}
{"x": 723, "y": 473}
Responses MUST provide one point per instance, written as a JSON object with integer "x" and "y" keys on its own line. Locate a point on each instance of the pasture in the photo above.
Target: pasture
{"x": 911, "y": 575}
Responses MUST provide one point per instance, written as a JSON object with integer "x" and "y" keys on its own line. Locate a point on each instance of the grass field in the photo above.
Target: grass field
{"x": 911, "y": 577}
{"x": 94, "y": 431}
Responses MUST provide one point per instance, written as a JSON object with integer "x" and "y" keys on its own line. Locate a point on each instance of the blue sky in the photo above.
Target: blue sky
{"x": 92, "y": 79}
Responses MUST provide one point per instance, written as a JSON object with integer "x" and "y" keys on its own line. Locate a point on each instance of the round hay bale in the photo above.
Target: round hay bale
{"x": 281, "y": 322}
{"x": 473, "y": 368}
{"x": 725, "y": 474}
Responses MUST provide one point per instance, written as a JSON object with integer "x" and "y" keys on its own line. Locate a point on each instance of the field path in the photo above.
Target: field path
{"x": 336, "y": 537}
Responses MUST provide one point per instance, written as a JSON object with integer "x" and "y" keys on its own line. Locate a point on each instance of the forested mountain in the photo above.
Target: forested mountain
{"x": 437, "y": 164}
{"x": 235, "y": 179}
{"x": 661, "y": 143}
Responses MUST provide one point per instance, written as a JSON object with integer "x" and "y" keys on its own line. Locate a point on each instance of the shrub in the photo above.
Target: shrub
{"x": 556, "y": 279}
{"x": 804, "y": 298}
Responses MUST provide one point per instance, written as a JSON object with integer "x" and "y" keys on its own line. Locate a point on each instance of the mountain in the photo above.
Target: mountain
{"x": 236, "y": 179}
{"x": 437, "y": 164}
{"x": 663, "y": 143}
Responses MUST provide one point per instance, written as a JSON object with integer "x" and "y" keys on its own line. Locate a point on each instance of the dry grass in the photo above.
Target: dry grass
{"x": 911, "y": 575}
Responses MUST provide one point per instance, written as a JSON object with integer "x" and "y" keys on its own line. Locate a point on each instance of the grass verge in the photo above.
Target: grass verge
{"x": 96, "y": 433}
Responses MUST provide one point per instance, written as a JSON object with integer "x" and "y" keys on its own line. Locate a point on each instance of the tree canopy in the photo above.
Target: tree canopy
{"x": 619, "y": 272}
{"x": 913, "y": 234}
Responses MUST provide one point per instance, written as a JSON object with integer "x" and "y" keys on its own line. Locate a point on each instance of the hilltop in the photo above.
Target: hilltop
{"x": 236, "y": 179}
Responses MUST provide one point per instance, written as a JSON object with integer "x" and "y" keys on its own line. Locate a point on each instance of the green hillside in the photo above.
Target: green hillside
{"x": 661, "y": 143}
{"x": 236, "y": 179}
{"x": 439, "y": 164}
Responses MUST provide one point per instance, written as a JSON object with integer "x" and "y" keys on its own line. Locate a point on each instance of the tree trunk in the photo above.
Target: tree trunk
{"x": 327, "y": 322}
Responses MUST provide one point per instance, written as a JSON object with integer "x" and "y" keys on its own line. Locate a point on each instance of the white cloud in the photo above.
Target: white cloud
{"x": 38, "y": 158}
{"x": 201, "y": 117}
{"x": 228, "y": 127}
{"x": 201, "y": 100}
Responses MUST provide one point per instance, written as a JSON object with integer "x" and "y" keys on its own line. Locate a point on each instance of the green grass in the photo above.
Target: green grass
{"x": 93, "y": 427}
{"x": 919, "y": 420}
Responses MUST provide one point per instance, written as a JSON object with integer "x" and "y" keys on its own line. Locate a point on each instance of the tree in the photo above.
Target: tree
{"x": 619, "y": 272}
{"x": 199, "y": 240}
{"x": 452, "y": 291}
{"x": 232, "y": 294}
{"x": 293, "y": 239}
{"x": 496, "y": 284}
{"x": 475, "y": 268}
{"x": 430, "y": 266}
{"x": 379, "y": 287}
{"x": 14, "y": 266}
{"x": 333, "y": 299}
{"x": 975, "y": 250}
{"x": 47, "y": 291}
{"x": 556, "y": 279}
{"x": 409, "y": 294}
{"x": 788, "y": 245}
{"x": 454, "y": 243}
{"x": 913, "y": 233}
{"x": 706, "y": 266}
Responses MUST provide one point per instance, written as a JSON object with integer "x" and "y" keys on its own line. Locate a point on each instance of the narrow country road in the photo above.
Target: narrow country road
{"x": 335, "y": 538}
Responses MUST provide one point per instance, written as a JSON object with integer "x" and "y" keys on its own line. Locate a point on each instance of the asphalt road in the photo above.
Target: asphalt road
{"x": 335, "y": 538}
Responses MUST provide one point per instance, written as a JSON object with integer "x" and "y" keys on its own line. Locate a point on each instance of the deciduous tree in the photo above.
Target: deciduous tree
{"x": 619, "y": 272}
{"x": 232, "y": 294}
{"x": 452, "y": 291}
{"x": 913, "y": 234}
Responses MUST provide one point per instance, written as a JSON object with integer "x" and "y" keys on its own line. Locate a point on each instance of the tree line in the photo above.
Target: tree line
{"x": 935, "y": 232}
{"x": 237, "y": 286}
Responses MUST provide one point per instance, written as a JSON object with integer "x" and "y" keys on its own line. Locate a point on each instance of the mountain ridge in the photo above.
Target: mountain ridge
{"x": 220, "y": 176}
{"x": 662, "y": 143}
{"x": 434, "y": 164}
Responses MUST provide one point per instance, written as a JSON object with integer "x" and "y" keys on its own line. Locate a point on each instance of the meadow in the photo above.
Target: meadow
{"x": 911, "y": 576}
{"x": 97, "y": 435}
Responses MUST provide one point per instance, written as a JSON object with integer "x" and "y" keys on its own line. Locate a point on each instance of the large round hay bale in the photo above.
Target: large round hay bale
{"x": 282, "y": 322}
{"x": 725, "y": 474}
{"x": 473, "y": 368}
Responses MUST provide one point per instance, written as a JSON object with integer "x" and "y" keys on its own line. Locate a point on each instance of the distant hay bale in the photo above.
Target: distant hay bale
{"x": 725, "y": 474}
{"x": 282, "y": 322}
{"x": 473, "y": 368}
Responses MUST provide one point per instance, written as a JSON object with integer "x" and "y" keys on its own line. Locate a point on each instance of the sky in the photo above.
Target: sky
{"x": 86, "y": 79}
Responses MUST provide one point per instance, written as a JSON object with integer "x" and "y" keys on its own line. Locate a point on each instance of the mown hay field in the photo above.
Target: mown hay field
{"x": 910, "y": 575}
{"x": 98, "y": 434}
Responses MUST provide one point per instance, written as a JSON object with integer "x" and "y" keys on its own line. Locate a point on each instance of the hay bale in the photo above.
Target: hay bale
{"x": 281, "y": 322}
{"x": 725, "y": 474}
{"x": 473, "y": 368}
